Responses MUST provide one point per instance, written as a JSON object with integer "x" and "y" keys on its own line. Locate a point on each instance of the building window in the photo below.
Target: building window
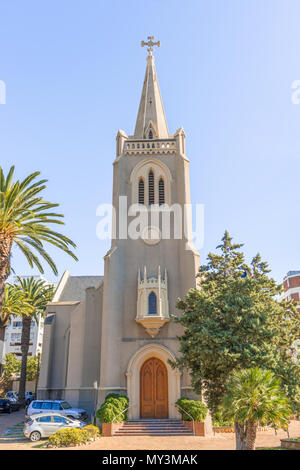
{"x": 151, "y": 187}
{"x": 152, "y": 304}
{"x": 150, "y": 135}
{"x": 141, "y": 192}
{"x": 15, "y": 337}
{"x": 161, "y": 191}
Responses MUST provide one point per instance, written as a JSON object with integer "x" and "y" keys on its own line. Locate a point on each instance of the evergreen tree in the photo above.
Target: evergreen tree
{"x": 11, "y": 366}
{"x": 235, "y": 321}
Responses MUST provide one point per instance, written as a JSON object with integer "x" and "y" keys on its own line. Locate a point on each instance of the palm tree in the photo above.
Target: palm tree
{"x": 12, "y": 304}
{"x": 37, "y": 294}
{"x": 254, "y": 396}
{"x": 24, "y": 221}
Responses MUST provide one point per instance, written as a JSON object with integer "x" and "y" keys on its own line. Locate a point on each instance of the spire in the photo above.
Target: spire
{"x": 151, "y": 119}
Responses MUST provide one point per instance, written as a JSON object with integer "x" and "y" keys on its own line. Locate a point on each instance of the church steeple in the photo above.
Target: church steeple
{"x": 151, "y": 120}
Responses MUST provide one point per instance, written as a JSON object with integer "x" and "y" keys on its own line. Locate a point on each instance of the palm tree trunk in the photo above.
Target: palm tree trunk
{"x": 5, "y": 250}
{"x": 3, "y": 324}
{"x": 26, "y": 322}
{"x": 251, "y": 435}
{"x": 240, "y": 436}
{"x": 2, "y": 335}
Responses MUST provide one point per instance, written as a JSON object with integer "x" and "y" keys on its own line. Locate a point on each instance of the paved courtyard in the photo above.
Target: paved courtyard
{"x": 10, "y": 420}
{"x": 224, "y": 441}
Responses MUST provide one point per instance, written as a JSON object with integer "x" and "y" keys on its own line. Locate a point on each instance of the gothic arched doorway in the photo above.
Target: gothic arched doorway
{"x": 154, "y": 389}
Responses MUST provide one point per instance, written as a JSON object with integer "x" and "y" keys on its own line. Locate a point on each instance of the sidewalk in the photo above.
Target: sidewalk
{"x": 224, "y": 441}
{"x": 9, "y": 420}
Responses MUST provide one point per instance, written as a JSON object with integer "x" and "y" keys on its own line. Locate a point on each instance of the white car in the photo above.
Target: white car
{"x": 62, "y": 407}
{"x": 45, "y": 424}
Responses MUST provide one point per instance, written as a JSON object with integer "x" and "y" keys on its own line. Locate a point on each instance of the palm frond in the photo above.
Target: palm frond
{"x": 26, "y": 219}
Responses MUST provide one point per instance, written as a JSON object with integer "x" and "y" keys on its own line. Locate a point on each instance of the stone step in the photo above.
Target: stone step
{"x": 155, "y": 430}
{"x": 136, "y": 423}
{"x": 13, "y": 439}
{"x": 153, "y": 434}
{"x": 129, "y": 423}
{"x": 154, "y": 427}
{"x": 154, "y": 421}
{"x": 13, "y": 433}
{"x": 151, "y": 431}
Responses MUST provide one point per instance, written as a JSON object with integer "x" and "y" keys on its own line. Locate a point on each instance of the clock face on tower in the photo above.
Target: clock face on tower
{"x": 151, "y": 235}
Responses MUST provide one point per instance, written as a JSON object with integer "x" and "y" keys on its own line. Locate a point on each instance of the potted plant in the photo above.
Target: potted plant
{"x": 112, "y": 413}
{"x": 193, "y": 414}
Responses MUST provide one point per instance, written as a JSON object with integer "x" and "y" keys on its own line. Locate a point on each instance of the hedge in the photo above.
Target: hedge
{"x": 219, "y": 419}
{"x": 93, "y": 431}
{"x": 195, "y": 409}
{"x": 114, "y": 406}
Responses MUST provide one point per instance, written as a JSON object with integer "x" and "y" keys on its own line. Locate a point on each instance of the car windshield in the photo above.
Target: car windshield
{"x": 66, "y": 405}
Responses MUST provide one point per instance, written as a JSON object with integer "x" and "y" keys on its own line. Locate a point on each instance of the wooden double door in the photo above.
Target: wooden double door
{"x": 154, "y": 389}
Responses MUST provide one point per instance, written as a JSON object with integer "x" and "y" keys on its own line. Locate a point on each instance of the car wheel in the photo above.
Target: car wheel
{"x": 35, "y": 436}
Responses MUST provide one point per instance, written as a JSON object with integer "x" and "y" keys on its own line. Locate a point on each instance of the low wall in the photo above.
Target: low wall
{"x": 199, "y": 428}
{"x": 29, "y": 387}
{"x": 290, "y": 444}
{"x": 108, "y": 429}
{"x": 231, "y": 428}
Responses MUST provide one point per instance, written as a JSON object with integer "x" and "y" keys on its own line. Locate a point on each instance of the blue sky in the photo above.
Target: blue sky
{"x": 74, "y": 71}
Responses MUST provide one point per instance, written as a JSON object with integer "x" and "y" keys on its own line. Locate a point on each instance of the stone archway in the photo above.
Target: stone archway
{"x": 134, "y": 381}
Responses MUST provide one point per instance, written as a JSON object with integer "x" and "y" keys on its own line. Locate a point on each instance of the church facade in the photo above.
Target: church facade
{"x": 115, "y": 333}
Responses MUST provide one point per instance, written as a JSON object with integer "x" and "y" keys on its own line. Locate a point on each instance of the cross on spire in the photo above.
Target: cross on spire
{"x": 151, "y": 113}
{"x": 150, "y": 43}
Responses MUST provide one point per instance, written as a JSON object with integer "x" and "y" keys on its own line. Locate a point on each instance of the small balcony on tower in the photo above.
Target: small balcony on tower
{"x": 152, "y": 302}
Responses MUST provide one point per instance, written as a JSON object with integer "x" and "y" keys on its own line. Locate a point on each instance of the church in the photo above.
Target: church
{"x": 115, "y": 333}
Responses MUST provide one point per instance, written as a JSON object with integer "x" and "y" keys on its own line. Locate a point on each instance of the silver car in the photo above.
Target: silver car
{"x": 45, "y": 424}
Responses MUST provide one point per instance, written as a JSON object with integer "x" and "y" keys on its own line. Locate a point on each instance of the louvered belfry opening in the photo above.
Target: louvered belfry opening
{"x": 141, "y": 191}
{"x": 161, "y": 191}
{"x": 151, "y": 187}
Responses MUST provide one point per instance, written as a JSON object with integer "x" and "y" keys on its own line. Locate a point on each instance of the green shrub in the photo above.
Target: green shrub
{"x": 113, "y": 395}
{"x": 93, "y": 431}
{"x": 220, "y": 420}
{"x": 195, "y": 409}
{"x": 113, "y": 407}
{"x": 69, "y": 437}
{"x": 106, "y": 413}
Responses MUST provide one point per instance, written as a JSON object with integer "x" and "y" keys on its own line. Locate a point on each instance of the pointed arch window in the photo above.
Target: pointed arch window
{"x": 141, "y": 191}
{"x": 152, "y": 307}
{"x": 161, "y": 191}
{"x": 151, "y": 187}
{"x": 150, "y": 134}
